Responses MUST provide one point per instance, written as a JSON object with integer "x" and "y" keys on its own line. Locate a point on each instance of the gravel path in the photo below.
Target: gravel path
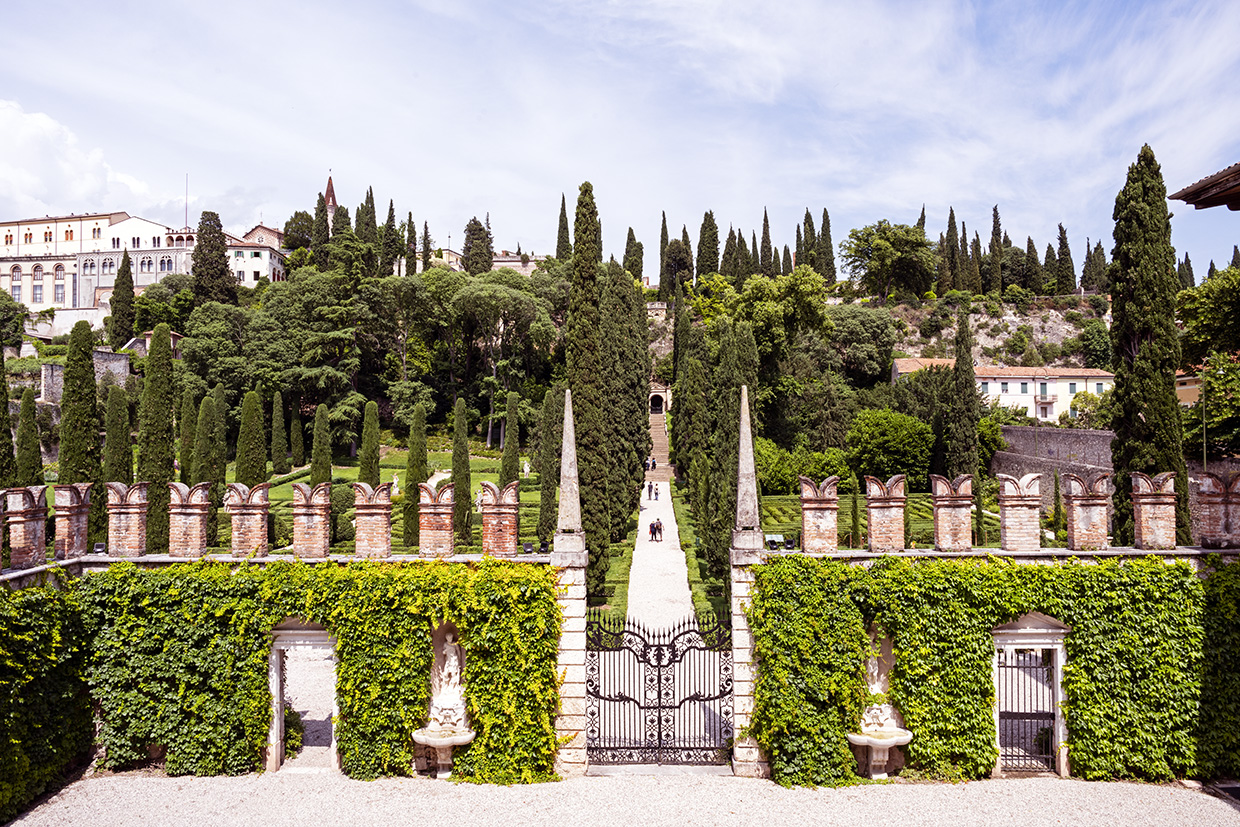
{"x": 288, "y": 799}
{"x": 659, "y": 579}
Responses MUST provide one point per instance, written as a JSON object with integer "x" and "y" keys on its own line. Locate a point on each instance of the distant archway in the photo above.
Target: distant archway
{"x": 656, "y": 404}
{"x": 660, "y": 398}
{"x": 295, "y": 634}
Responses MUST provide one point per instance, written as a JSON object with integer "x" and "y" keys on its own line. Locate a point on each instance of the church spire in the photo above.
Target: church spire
{"x": 330, "y": 199}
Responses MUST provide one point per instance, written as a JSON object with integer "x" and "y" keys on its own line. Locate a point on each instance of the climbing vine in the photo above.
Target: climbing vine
{"x": 1220, "y": 682}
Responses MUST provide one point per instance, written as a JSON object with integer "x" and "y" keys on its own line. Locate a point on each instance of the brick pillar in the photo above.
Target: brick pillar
{"x": 248, "y": 507}
{"x": 569, "y": 558}
{"x": 373, "y": 513}
{"x": 885, "y": 508}
{"x": 820, "y": 510}
{"x": 953, "y": 512}
{"x": 1019, "y": 503}
{"x": 27, "y": 519}
{"x": 1233, "y": 511}
{"x": 187, "y": 519}
{"x": 127, "y": 519}
{"x": 1085, "y": 507}
{"x": 1212, "y": 512}
{"x": 312, "y": 520}
{"x": 500, "y": 523}
{"x": 1153, "y": 510}
{"x": 435, "y": 520}
{"x": 72, "y": 512}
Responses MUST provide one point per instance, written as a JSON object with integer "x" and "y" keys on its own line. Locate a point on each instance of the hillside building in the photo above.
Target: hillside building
{"x": 1043, "y": 393}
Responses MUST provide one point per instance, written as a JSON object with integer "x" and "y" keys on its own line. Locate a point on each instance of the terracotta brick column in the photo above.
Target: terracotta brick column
{"x": 820, "y": 511}
{"x": 500, "y": 524}
{"x": 1085, "y": 507}
{"x": 435, "y": 520}
{"x": 248, "y": 507}
{"x": 312, "y": 520}
{"x": 1019, "y": 503}
{"x": 72, "y": 512}
{"x": 953, "y": 512}
{"x": 1212, "y": 512}
{"x": 187, "y": 519}
{"x": 885, "y": 508}
{"x": 27, "y": 518}
{"x": 373, "y": 512}
{"x": 127, "y": 519}
{"x": 1153, "y": 510}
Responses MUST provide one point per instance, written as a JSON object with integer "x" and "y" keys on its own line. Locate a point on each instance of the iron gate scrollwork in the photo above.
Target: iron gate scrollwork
{"x": 658, "y": 696}
{"x": 1026, "y": 709}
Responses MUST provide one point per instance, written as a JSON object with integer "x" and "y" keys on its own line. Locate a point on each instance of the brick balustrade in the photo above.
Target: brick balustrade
{"x": 188, "y": 512}
{"x": 312, "y": 520}
{"x": 1086, "y": 508}
{"x": 953, "y": 512}
{"x": 884, "y": 503}
{"x": 72, "y": 520}
{"x": 1218, "y": 502}
{"x": 127, "y": 519}
{"x": 1019, "y": 504}
{"x": 248, "y": 507}
{"x": 820, "y": 508}
{"x": 500, "y": 522}
{"x": 1153, "y": 510}
{"x": 435, "y": 520}
{"x": 373, "y": 513}
{"x": 26, "y": 514}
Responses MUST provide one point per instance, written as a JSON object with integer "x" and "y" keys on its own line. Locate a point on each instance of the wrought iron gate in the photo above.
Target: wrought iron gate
{"x": 658, "y": 696}
{"x": 1026, "y": 709}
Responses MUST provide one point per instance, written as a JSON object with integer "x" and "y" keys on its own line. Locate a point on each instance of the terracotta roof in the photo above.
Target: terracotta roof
{"x": 1223, "y": 187}
{"x": 912, "y": 364}
{"x": 984, "y": 371}
{"x": 329, "y": 197}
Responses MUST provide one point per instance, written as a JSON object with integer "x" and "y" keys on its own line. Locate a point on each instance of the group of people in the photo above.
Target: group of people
{"x": 652, "y": 491}
{"x": 656, "y": 531}
{"x": 650, "y": 463}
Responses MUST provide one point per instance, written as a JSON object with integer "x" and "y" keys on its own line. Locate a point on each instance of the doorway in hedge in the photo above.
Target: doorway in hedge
{"x": 1028, "y": 679}
{"x": 301, "y": 674}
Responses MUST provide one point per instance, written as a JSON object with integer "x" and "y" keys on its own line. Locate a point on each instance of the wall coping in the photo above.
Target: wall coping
{"x": 1041, "y": 554}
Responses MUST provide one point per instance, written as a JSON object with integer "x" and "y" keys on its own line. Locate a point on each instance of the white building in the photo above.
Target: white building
{"x": 1043, "y": 393}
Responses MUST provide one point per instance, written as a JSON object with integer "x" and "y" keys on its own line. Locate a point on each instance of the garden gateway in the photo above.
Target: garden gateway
{"x": 1086, "y": 660}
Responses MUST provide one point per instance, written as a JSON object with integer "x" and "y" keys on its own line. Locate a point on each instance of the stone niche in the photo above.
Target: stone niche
{"x": 880, "y": 716}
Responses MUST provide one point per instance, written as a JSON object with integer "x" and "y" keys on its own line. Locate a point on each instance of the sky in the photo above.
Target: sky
{"x": 461, "y": 108}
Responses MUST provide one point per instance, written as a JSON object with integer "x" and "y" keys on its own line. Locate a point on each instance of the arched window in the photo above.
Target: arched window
{"x": 180, "y": 241}
{"x": 165, "y": 265}
{"x": 189, "y": 241}
{"x": 147, "y": 265}
{"x": 109, "y": 267}
{"x": 37, "y": 274}
{"x": 16, "y": 272}
{"x": 60, "y": 272}
{"x": 88, "y": 267}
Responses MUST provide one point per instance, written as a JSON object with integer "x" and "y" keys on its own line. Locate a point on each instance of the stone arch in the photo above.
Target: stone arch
{"x": 294, "y": 633}
{"x": 1032, "y": 632}
{"x": 660, "y": 398}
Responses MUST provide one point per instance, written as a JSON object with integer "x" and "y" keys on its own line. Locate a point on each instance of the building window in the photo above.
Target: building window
{"x": 37, "y": 294}
{"x": 58, "y": 294}
{"x": 256, "y": 254}
{"x": 165, "y": 265}
{"x": 1024, "y": 387}
{"x": 180, "y": 241}
{"x": 147, "y": 265}
{"x": 60, "y": 273}
{"x": 1003, "y": 387}
{"x": 116, "y": 243}
{"x": 240, "y": 276}
{"x": 68, "y": 235}
{"x": 238, "y": 254}
{"x": 1042, "y": 389}
{"x": 47, "y": 236}
{"x": 109, "y": 267}
{"x": 88, "y": 267}
{"x": 28, "y": 238}
{"x": 1099, "y": 387}
{"x": 155, "y": 241}
{"x": 1072, "y": 388}
{"x": 96, "y": 232}
{"x": 985, "y": 389}
{"x": 16, "y": 292}
{"x": 257, "y": 275}
{"x": 8, "y": 238}
{"x": 189, "y": 241}
{"x": 37, "y": 274}
{"x": 16, "y": 272}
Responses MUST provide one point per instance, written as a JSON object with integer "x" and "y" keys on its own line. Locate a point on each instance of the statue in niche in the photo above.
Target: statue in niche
{"x": 448, "y": 700}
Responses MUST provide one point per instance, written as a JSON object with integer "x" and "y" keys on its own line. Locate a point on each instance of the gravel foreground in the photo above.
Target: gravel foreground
{"x": 276, "y": 799}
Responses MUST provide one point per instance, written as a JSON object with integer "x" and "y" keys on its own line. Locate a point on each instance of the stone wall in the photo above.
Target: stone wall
{"x": 1068, "y": 446}
{"x": 106, "y": 362}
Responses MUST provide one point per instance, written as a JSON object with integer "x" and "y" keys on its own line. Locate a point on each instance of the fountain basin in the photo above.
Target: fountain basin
{"x": 442, "y": 741}
{"x": 878, "y": 741}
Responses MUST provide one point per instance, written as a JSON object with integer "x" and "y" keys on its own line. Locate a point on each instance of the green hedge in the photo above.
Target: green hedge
{"x": 45, "y": 713}
{"x": 1133, "y": 680}
{"x": 179, "y": 659}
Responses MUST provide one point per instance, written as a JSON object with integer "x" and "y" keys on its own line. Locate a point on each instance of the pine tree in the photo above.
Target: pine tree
{"x": 824, "y": 255}
{"x": 120, "y": 328}
{"x": 564, "y": 242}
{"x": 426, "y": 246}
{"x": 320, "y": 235}
{"x": 213, "y": 277}
{"x": 1065, "y": 270}
{"x": 279, "y": 444}
{"x": 512, "y": 440}
{"x": 210, "y": 462}
{"x": 189, "y": 428}
{"x": 1145, "y": 344}
{"x": 321, "y": 449}
{"x": 633, "y": 253}
{"x": 155, "y": 438}
{"x": 415, "y": 472}
{"x": 463, "y": 504}
{"x": 786, "y": 264}
{"x": 29, "y": 455}
{"x": 79, "y": 459}
{"x": 550, "y": 437}
{"x": 118, "y": 442}
{"x": 296, "y": 438}
{"x": 368, "y": 457}
{"x": 251, "y": 442}
{"x": 708, "y": 246}
{"x": 963, "y": 405}
{"x": 994, "y": 275}
{"x": 954, "y": 271}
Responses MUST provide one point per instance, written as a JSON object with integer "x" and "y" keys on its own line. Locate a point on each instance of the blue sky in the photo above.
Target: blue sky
{"x": 455, "y": 108}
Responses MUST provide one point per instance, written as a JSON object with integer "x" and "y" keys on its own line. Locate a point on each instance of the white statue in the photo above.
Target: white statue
{"x": 525, "y": 466}
{"x": 395, "y": 483}
{"x": 448, "y": 703}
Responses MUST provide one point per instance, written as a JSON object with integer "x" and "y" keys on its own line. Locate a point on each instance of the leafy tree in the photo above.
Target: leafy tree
{"x": 79, "y": 459}
{"x": 963, "y": 406}
{"x": 550, "y": 437}
{"x": 887, "y": 258}
{"x": 368, "y": 458}
{"x": 415, "y": 472}
{"x": 860, "y": 342}
{"x": 564, "y": 242}
{"x": 210, "y": 462}
{"x": 120, "y": 328}
{"x": 29, "y": 455}
{"x": 708, "y": 245}
{"x": 189, "y": 428}
{"x": 463, "y": 505}
{"x": 1210, "y": 314}
{"x": 296, "y": 437}
{"x": 885, "y": 443}
{"x": 994, "y": 267}
{"x": 476, "y": 254}
{"x": 1220, "y": 408}
{"x": 321, "y": 449}
{"x": 1148, "y": 432}
{"x": 855, "y": 514}
{"x": 214, "y": 280}
{"x": 251, "y": 442}
{"x": 1095, "y": 342}
{"x": 118, "y": 441}
{"x": 155, "y": 438}
{"x": 1065, "y": 270}
{"x": 824, "y": 256}
{"x": 633, "y": 254}
{"x": 279, "y": 443}
{"x": 299, "y": 229}
{"x": 512, "y": 440}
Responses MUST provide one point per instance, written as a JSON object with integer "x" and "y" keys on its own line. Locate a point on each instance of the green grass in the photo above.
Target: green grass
{"x": 707, "y": 592}
{"x": 617, "y": 582}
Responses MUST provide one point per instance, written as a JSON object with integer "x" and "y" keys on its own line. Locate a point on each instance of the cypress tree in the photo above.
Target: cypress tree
{"x": 29, "y": 455}
{"x": 921, "y": 220}
{"x": 341, "y": 225}
{"x": 787, "y": 262}
{"x": 1235, "y": 256}
{"x": 512, "y": 440}
{"x": 80, "y": 459}
{"x": 368, "y": 457}
{"x": 222, "y": 431}
{"x": 1050, "y": 271}
{"x": 120, "y": 328}
{"x": 800, "y": 246}
{"x": 954, "y": 274}
{"x": 189, "y": 428}
{"x": 1065, "y": 270}
{"x": 755, "y": 263}
{"x": 279, "y": 444}
{"x": 767, "y": 256}
{"x": 426, "y": 246}
{"x": 155, "y": 438}
{"x": 663, "y": 241}
{"x": 118, "y": 442}
{"x": 1187, "y": 279}
{"x": 625, "y": 387}
{"x": 319, "y": 236}
{"x": 367, "y": 221}
{"x": 808, "y": 253}
{"x": 411, "y": 245}
{"x": 390, "y": 248}
{"x": 963, "y": 410}
{"x": 8, "y": 462}
{"x": 296, "y": 438}
{"x": 213, "y": 276}
{"x": 824, "y": 255}
{"x": 633, "y": 253}
{"x": 743, "y": 263}
{"x": 975, "y": 265}
{"x": 994, "y": 274}
{"x": 684, "y": 239}
{"x": 1212, "y": 270}
{"x": 721, "y": 487}
{"x": 708, "y": 246}
{"x": 1033, "y": 267}
{"x": 415, "y": 472}
{"x": 564, "y": 242}
{"x": 1058, "y": 521}
{"x": 321, "y": 449}
{"x": 210, "y": 462}
{"x": 463, "y": 504}
{"x": 251, "y": 442}
{"x": 1145, "y": 345}
{"x": 942, "y": 275}
{"x": 550, "y": 437}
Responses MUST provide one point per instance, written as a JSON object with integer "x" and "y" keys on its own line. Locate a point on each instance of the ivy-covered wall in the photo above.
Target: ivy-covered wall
{"x": 178, "y": 658}
{"x": 1141, "y": 700}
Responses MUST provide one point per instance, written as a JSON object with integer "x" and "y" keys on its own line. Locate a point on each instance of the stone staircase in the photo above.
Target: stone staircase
{"x": 658, "y": 436}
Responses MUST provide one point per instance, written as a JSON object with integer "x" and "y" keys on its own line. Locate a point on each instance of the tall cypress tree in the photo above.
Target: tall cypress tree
{"x": 118, "y": 442}
{"x": 921, "y": 220}
{"x": 251, "y": 442}
{"x": 411, "y": 245}
{"x": 1050, "y": 272}
{"x": 1065, "y": 270}
{"x": 975, "y": 265}
{"x": 213, "y": 276}
{"x": 708, "y": 246}
{"x": 341, "y": 224}
{"x": 585, "y": 377}
{"x": 550, "y": 437}
{"x": 415, "y": 472}
{"x": 954, "y": 276}
{"x": 1145, "y": 344}
{"x": 321, "y": 449}
{"x": 210, "y": 462}
{"x": 297, "y": 437}
{"x": 1235, "y": 256}
{"x": 963, "y": 405}
{"x": 462, "y": 480}
{"x": 942, "y": 273}
{"x": 786, "y": 264}
{"x": 29, "y": 455}
{"x": 727, "y": 266}
{"x": 279, "y": 444}
{"x": 222, "y": 430}
{"x": 1187, "y": 279}
{"x": 390, "y": 248}
{"x": 809, "y": 242}
{"x": 663, "y": 242}
{"x": 120, "y": 327}
{"x": 721, "y": 486}
{"x": 512, "y": 440}
{"x": 755, "y": 263}
{"x": 800, "y": 246}
{"x": 426, "y": 246}
{"x": 633, "y": 253}
{"x": 767, "y": 256}
{"x": 189, "y": 429}
{"x": 319, "y": 236}
{"x": 8, "y": 462}
{"x": 994, "y": 275}
{"x": 1033, "y": 267}
{"x": 368, "y": 457}
{"x": 744, "y": 262}
{"x": 684, "y": 240}
{"x": 824, "y": 256}
{"x": 155, "y": 438}
{"x": 563, "y": 242}
{"x": 79, "y": 428}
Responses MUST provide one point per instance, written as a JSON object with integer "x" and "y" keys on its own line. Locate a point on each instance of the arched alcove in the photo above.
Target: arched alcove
{"x": 1028, "y": 677}
{"x": 300, "y": 640}
{"x": 656, "y": 403}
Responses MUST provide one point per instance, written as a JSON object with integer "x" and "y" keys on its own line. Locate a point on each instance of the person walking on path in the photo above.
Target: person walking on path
{"x": 650, "y": 490}
{"x": 658, "y": 530}
{"x": 652, "y": 531}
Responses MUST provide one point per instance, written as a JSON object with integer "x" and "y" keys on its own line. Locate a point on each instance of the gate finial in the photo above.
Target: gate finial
{"x": 570, "y": 544}
{"x": 748, "y": 530}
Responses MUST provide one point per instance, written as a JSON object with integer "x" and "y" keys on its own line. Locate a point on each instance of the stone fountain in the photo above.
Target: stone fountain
{"x": 881, "y": 724}
{"x": 448, "y": 725}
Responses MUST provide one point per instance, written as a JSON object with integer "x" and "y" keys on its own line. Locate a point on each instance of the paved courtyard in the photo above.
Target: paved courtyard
{"x": 275, "y": 799}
